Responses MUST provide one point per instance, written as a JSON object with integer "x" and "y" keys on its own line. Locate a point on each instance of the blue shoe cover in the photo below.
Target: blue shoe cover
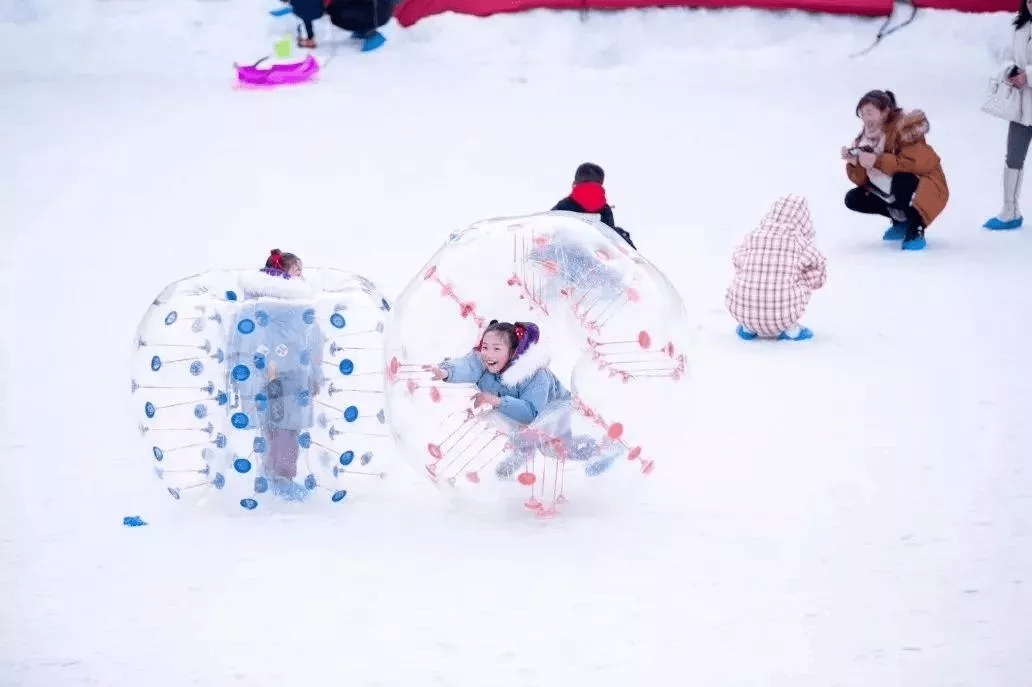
{"x": 745, "y": 333}
{"x": 373, "y": 42}
{"x": 895, "y": 233}
{"x": 599, "y": 466}
{"x": 1000, "y": 225}
{"x": 804, "y": 334}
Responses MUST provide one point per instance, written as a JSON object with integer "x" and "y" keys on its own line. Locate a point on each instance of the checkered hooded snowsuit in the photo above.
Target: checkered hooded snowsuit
{"x": 777, "y": 268}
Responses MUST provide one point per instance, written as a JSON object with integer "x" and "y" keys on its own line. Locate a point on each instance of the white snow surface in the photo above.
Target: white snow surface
{"x": 846, "y": 512}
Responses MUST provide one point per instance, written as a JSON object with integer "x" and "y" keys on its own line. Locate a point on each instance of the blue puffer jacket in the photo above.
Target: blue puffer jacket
{"x": 526, "y": 387}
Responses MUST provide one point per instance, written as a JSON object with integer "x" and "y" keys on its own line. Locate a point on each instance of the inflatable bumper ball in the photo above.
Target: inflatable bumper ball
{"x": 614, "y": 328}
{"x": 248, "y": 393}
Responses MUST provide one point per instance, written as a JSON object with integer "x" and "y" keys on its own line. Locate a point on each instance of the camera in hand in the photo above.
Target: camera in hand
{"x": 860, "y": 149}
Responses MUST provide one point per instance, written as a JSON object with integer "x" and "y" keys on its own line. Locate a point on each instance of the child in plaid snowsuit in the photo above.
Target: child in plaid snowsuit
{"x": 777, "y": 268}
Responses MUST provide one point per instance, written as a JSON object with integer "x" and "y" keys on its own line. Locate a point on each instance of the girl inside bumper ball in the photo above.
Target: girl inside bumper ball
{"x": 509, "y": 367}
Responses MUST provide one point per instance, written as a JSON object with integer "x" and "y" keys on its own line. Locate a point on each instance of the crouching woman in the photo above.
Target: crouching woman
{"x": 897, "y": 174}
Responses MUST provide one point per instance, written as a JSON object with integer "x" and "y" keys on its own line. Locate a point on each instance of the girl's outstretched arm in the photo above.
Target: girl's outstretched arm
{"x": 465, "y": 370}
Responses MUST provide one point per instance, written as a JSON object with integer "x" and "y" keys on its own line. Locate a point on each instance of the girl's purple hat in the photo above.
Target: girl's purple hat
{"x": 275, "y": 272}
{"x": 527, "y": 334}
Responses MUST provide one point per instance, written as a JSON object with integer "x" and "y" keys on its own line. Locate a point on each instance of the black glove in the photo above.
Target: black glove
{"x": 626, "y": 237}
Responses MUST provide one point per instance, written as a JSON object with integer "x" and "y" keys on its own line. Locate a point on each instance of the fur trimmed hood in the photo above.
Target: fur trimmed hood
{"x": 912, "y": 127}
{"x": 258, "y": 284}
{"x": 524, "y": 365}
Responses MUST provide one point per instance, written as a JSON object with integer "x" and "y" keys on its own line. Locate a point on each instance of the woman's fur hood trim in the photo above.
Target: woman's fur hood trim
{"x": 912, "y": 127}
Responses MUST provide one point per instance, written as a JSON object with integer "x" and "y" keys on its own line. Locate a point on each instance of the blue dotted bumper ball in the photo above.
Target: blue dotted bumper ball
{"x": 252, "y": 390}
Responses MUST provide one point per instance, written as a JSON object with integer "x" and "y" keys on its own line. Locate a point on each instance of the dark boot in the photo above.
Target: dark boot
{"x": 913, "y": 238}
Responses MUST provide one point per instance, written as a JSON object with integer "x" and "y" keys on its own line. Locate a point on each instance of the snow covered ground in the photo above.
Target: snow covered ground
{"x": 847, "y": 512}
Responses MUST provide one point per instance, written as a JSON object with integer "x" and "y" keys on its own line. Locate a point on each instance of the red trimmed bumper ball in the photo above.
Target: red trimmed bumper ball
{"x": 609, "y": 326}
{"x": 251, "y": 390}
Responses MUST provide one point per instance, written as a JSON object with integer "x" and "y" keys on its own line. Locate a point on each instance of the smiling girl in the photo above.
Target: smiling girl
{"x": 510, "y": 368}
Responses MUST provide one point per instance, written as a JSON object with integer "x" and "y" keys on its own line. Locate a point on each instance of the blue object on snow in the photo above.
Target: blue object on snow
{"x": 914, "y": 244}
{"x": 133, "y": 521}
{"x": 999, "y": 225}
{"x": 895, "y": 233}
{"x": 803, "y": 335}
{"x": 373, "y": 42}
{"x": 599, "y": 466}
{"x": 281, "y": 11}
{"x": 745, "y": 333}
{"x": 288, "y": 489}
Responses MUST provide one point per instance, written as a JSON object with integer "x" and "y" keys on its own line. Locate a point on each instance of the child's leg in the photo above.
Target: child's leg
{"x": 291, "y": 451}
{"x": 283, "y": 453}
{"x": 309, "y": 40}
{"x": 271, "y": 452}
{"x": 522, "y": 451}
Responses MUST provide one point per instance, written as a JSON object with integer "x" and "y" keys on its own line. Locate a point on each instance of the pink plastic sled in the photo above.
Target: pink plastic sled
{"x": 278, "y": 74}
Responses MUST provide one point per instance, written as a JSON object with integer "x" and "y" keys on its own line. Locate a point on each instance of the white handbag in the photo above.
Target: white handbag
{"x": 1003, "y": 101}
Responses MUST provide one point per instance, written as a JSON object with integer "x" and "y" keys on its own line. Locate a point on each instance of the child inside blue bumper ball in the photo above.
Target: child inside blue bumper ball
{"x": 276, "y": 366}
{"x": 509, "y": 366}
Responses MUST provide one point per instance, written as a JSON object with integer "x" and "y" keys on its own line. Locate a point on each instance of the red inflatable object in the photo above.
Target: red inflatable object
{"x": 970, "y": 5}
{"x": 411, "y": 11}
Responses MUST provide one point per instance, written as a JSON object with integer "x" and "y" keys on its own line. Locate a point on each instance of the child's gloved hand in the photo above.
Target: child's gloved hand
{"x": 482, "y": 399}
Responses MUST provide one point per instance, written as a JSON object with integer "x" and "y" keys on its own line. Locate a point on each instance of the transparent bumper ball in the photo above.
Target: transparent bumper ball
{"x": 253, "y": 400}
{"x": 615, "y": 329}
